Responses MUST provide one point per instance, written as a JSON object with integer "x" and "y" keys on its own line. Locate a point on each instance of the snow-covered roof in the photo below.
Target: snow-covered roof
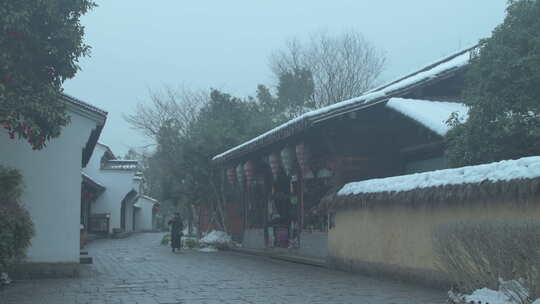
{"x": 440, "y": 69}
{"x": 435, "y": 69}
{"x": 524, "y": 168}
{"x": 121, "y": 164}
{"x": 150, "y": 198}
{"x": 139, "y": 203}
{"x": 431, "y": 114}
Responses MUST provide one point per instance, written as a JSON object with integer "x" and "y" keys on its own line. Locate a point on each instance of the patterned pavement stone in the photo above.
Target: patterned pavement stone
{"x": 138, "y": 270}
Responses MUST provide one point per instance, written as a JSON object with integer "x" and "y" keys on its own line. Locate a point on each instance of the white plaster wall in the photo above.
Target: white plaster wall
{"x": 143, "y": 215}
{"x": 52, "y": 178}
{"x": 118, "y": 184}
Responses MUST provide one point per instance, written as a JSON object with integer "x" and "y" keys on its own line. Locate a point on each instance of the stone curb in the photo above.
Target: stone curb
{"x": 283, "y": 257}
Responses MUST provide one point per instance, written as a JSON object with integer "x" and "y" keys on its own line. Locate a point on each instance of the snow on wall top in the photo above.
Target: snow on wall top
{"x": 453, "y": 62}
{"x": 524, "y": 168}
{"x": 432, "y": 114}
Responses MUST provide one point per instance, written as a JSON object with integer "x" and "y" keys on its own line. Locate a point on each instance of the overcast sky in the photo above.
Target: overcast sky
{"x": 141, "y": 45}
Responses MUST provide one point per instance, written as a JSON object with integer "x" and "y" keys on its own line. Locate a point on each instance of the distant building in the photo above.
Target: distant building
{"x": 145, "y": 213}
{"x": 121, "y": 205}
{"x": 52, "y": 192}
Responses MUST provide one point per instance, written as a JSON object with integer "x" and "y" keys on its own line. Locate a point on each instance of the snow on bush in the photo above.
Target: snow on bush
{"x": 510, "y": 292}
{"x": 4, "y": 279}
{"x": 486, "y": 295}
{"x": 216, "y": 237}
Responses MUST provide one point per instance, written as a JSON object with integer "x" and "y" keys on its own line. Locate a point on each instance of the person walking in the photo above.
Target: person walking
{"x": 176, "y": 231}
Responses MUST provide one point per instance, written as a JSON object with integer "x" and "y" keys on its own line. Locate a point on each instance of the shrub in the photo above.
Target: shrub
{"x": 191, "y": 243}
{"x": 16, "y": 228}
{"x": 480, "y": 254}
{"x": 166, "y": 240}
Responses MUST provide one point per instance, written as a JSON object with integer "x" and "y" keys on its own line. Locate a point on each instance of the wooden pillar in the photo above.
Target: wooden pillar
{"x": 301, "y": 203}
{"x": 266, "y": 196}
{"x": 301, "y": 221}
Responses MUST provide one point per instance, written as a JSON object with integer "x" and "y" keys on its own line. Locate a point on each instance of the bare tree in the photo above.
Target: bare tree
{"x": 179, "y": 107}
{"x": 343, "y": 66}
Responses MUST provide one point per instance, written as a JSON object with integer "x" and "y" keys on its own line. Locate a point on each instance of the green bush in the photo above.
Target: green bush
{"x": 166, "y": 240}
{"x": 191, "y": 243}
{"x": 479, "y": 254}
{"x": 16, "y": 228}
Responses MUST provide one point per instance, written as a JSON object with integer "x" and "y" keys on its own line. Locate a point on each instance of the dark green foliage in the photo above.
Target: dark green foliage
{"x": 191, "y": 243}
{"x": 166, "y": 239}
{"x": 16, "y": 228}
{"x": 503, "y": 93}
{"x": 294, "y": 97}
{"x": 41, "y": 42}
{"x": 295, "y": 91}
{"x": 181, "y": 170}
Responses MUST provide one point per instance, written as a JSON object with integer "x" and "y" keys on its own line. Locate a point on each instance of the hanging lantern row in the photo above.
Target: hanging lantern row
{"x": 303, "y": 154}
{"x": 287, "y": 160}
{"x": 249, "y": 171}
{"x": 231, "y": 175}
{"x": 240, "y": 175}
{"x": 275, "y": 164}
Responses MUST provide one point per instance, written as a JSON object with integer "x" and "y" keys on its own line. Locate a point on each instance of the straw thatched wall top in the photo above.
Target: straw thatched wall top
{"x": 519, "y": 189}
{"x": 513, "y": 179}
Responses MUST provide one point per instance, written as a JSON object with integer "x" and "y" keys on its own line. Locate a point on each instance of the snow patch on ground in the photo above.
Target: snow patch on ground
{"x": 216, "y": 237}
{"x": 486, "y": 295}
{"x": 510, "y": 292}
{"x": 432, "y": 114}
{"x": 524, "y": 168}
{"x": 4, "y": 279}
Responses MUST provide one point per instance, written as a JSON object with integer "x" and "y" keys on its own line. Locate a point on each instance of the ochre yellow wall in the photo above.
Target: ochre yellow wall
{"x": 401, "y": 236}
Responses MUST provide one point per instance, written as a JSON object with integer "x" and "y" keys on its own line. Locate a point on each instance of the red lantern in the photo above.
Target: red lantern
{"x": 88, "y": 196}
{"x": 303, "y": 155}
{"x": 275, "y": 161}
{"x": 249, "y": 171}
{"x": 231, "y": 175}
{"x": 240, "y": 175}
{"x": 288, "y": 159}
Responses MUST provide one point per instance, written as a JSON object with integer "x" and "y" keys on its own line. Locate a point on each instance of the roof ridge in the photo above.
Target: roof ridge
{"x": 83, "y": 104}
{"x": 425, "y": 68}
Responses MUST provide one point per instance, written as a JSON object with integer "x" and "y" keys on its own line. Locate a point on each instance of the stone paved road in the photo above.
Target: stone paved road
{"x": 139, "y": 270}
